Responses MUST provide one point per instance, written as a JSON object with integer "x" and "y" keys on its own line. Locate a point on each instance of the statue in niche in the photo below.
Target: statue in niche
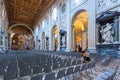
{"x": 107, "y": 33}
{"x": 63, "y": 40}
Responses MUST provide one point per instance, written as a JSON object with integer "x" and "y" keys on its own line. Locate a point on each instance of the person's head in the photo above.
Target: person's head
{"x": 83, "y": 51}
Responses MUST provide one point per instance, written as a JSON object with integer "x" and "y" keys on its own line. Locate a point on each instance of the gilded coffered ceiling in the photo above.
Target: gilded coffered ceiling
{"x": 26, "y": 11}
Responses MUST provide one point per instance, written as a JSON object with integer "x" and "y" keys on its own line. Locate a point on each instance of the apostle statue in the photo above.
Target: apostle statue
{"x": 107, "y": 33}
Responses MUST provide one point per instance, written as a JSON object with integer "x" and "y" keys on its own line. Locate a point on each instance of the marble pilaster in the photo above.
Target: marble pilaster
{"x": 97, "y": 33}
{"x": 116, "y": 32}
{"x": 119, "y": 29}
{"x": 92, "y": 27}
{"x": 69, "y": 27}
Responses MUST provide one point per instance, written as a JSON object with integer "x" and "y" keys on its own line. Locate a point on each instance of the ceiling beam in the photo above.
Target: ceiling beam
{"x": 36, "y": 9}
{"x": 22, "y": 5}
{"x": 44, "y": 11}
{"x": 21, "y": 11}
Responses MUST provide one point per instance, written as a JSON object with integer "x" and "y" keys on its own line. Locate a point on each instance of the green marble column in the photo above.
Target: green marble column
{"x": 116, "y": 29}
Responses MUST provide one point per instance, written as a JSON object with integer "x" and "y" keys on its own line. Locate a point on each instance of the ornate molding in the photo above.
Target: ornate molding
{"x": 102, "y": 4}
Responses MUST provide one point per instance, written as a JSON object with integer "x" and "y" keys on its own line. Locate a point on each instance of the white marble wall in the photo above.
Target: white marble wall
{"x": 66, "y": 14}
{"x": 64, "y": 21}
{"x": 103, "y": 5}
{"x": 3, "y": 28}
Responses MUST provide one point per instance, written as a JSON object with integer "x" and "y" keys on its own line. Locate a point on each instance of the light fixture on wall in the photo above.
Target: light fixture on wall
{"x": 54, "y": 14}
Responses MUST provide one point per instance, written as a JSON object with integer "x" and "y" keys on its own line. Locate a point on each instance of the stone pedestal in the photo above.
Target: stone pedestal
{"x": 108, "y": 49}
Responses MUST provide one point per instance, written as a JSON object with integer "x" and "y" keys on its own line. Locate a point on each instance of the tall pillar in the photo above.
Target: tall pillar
{"x": 10, "y": 43}
{"x": 119, "y": 29}
{"x": 50, "y": 40}
{"x": 69, "y": 41}
{"x": 97, "y": 32}
{"x": 116, "y": 29}
{"x": 58, "y": 48}
{"x": 3, "y": 42}
{"x": 68, "y": 29}
{"x": 42, "y": 42}
{"x": 50, "y": 34}
{"x": 92, "y": 27}
{"x": 84, "y": 40}
{"x": 45, "y": 42}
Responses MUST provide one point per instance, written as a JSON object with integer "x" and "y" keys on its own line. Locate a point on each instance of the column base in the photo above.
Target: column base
{"x": 58, "y": 49}
{"x": 67, "y": 50}
{"x": 92, "y": 50}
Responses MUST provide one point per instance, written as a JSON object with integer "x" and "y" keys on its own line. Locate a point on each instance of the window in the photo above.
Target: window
{"x": 54, "y": 14}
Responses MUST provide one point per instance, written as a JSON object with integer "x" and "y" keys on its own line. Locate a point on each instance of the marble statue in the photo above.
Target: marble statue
{"x": 63, "y": 40}
{"x": 107, "y": 33}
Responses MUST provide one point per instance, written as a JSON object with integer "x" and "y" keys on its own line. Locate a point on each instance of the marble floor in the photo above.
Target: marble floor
{"x": 27, "y": 65}
{"x": 100, "y": 69}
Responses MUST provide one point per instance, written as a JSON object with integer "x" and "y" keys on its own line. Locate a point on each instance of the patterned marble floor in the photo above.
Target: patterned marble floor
{"x": 101, "y": 69}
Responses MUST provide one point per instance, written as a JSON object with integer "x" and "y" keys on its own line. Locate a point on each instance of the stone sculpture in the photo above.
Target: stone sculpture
{"x": 107, "y": 34}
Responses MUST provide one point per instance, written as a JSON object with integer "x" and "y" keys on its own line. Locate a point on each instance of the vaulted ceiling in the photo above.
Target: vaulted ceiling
{"x": 26, "y": 11}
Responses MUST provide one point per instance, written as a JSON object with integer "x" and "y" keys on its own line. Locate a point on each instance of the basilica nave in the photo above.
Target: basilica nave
{"x": 53, "y": 39}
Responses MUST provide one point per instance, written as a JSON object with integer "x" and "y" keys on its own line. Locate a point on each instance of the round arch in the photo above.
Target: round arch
{"x": 54, "y": 37}
{"x": 21, "y": 25}
{"x": 79, "y": 30}
{"x": 76, "y": 14}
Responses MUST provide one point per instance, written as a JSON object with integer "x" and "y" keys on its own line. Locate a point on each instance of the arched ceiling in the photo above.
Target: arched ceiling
{"x": 83, "y": 17}
{"x": 21, "y": 30}
{"x": 26, "y": 11}
{"x": 81, "y": 21}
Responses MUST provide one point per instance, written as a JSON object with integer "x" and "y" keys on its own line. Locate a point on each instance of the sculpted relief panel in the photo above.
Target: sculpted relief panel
{"x": 103, "y": 4}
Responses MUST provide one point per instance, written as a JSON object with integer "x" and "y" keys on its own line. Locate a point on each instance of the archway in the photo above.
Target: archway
{"x": 43, "y": 41}
{"x": 23, "y": 40}
{"x": 11, "y": 27}
{"x": 55, "y": 37}
{"x": 79, "y": 31}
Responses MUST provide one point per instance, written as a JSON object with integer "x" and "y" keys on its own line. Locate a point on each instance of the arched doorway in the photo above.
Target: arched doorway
{"x": 55, "y": 37}
{"x": 79, "y": 29}
{"x": 43, "y": 41}
{"x": 20, "y": 38}
{"x": 19, "y": 42}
